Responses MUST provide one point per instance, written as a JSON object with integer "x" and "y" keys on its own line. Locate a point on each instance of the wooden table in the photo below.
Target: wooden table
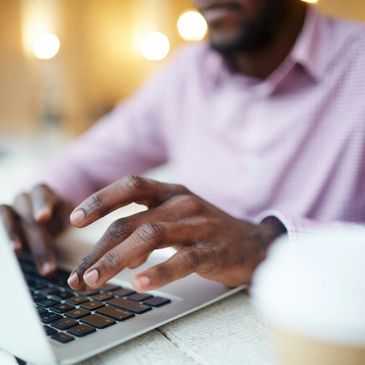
{"x": 228, "y": 332}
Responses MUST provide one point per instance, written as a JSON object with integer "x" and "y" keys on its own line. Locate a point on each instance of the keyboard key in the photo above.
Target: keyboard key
{"x": 50, "y": 317}
{"x": 64, "y": 295}
{"x": 157, "y": 301}
{"x": 49, "y": 331}
{"x": 89, "y": 293}
{"x": 50, "y": 291}
{"x": 59, "y": 278}
{"x": 77, "y": 313}
{"x": 115, "y": 313}
{"x": 123, "y": 292}
{"x": 28, "y": 268}
{"x": 81, "y": 330}
{"x": 98, "y": 321}
{"x": 62, "y": 308}
{"x": 129, "y": 305}
{"x": 139, "y": 297}
{"x": 92, "y": 305}
{"x": 37, "y": 297}
{"x": 77, "y": 300}
{"x": 42, "y": 310}
{"x": 64, "y": 324}
{"x": 47, "y": 302}
{"x": 103, "y": 297}
{"x": 110, "y": 287}
{"x": 35, "y": 284}
{"x": 62, "y": 337}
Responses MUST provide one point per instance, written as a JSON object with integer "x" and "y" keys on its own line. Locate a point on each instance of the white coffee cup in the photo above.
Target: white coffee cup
{"x": 312, "y": 291}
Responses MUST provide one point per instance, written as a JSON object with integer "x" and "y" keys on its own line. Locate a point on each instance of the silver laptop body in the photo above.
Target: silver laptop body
{"x": 22, "y": 333}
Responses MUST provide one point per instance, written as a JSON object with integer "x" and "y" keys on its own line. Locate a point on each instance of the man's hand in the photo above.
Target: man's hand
{"x": 209, "y": 242}
{"x": 33, "y": 222}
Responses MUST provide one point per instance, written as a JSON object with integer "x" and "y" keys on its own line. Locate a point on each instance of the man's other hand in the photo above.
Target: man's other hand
{"x": 33, "y": 221}
{"x": 209, "y": 242}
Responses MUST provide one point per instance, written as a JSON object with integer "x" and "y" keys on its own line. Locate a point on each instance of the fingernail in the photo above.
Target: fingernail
{"x": 47, "y": 268}
{"x": 91, "y": 277}
{"x": 42, "y": 214}
{"x": 142, "y": 282}
{"x": 77, "y": 216}
{"x": 73, "y": 280}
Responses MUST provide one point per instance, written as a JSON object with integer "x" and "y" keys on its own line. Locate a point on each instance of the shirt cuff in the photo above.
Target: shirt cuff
{"x": 300, "y": 226}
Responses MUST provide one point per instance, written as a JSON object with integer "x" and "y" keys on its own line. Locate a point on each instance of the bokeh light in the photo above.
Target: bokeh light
{"x": 155, "y": 46}
{"x": 192, "y": 26}
{"x": 46, "y": 46}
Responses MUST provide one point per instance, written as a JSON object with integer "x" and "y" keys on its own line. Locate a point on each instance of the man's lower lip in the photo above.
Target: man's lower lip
{"x": 217, "y": 13}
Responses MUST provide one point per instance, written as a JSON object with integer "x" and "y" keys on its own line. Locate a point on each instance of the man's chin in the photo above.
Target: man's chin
{"x": 238, "y": 46}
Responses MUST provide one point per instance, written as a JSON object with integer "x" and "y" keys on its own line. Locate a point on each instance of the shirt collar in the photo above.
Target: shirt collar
{"x": 309, "y": 51}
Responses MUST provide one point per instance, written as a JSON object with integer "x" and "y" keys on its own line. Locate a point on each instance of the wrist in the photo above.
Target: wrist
{"x": 269, "y": 231}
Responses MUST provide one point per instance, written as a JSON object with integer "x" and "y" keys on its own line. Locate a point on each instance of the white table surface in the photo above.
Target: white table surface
{"x": 228, "y": 332}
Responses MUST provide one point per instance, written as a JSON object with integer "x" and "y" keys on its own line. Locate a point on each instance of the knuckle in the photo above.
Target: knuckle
{"x": 137, "y": 262}
{"x": 132, "y": 182}
{"x": 181, "y": 189}
{"x": 150, "y": 232}
{"x": 85, "y": 263}
{"x": 190, "y": 259}
{"x": 95, "y": 202}
{"x": 212, "y": 225}
{"x": 161, "y": 273}
{"x": 118, "y": 228}
{"x": 110, "y": 259}
{"x": 190, "y": 202}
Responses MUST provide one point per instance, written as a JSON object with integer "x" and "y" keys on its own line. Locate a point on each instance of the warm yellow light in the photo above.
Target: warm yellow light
{"x": 311, "y": 1}
{"x": 192, "y": 26}
{"x": 46, "y": 46}
{"x": 38, "y": 17}
{"x": 154, "y": 46}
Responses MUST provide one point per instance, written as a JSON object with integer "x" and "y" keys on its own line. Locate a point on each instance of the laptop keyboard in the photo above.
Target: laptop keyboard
{"x": 67, "y": 315}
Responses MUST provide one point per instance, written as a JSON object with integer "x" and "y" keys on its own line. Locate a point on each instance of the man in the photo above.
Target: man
{"x": 263, "y": 127}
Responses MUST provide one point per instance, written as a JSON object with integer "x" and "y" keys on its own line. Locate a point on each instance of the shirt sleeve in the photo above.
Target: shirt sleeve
{"x": 300, "y": 226}
{"x": 129, "y": 140}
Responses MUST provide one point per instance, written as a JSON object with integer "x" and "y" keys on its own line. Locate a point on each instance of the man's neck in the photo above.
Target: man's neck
{"x": 262, "y": 63}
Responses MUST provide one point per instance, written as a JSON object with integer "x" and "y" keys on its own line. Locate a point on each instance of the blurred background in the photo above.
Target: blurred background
{"x": 100, "y": 59}
{"x": 64, "y": 63}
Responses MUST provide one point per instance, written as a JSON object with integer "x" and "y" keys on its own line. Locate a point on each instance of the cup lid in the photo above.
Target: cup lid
{"x": 315, "y": 285}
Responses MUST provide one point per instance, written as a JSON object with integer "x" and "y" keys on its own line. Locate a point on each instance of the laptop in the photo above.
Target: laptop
{"x": 44, "y": 322}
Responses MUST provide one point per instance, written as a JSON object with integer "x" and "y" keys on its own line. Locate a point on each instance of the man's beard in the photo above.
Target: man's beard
{"x": 256, "y": 33}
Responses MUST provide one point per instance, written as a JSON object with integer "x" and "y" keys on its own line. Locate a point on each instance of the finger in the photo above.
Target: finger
{"x": 169, "y": 211}
{"x": 43, "y": 203}
{"x": 138, "y": 245}
{"x": 117, "y": 232}
{"x": 182, "y": 264}
{"x": 123, "y": 192}
{"x": 37, "y": 237}
{"x": 12, "y": 226}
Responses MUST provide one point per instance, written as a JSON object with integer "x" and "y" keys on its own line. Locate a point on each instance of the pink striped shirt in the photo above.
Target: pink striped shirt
{"x": 291, "y": 146}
